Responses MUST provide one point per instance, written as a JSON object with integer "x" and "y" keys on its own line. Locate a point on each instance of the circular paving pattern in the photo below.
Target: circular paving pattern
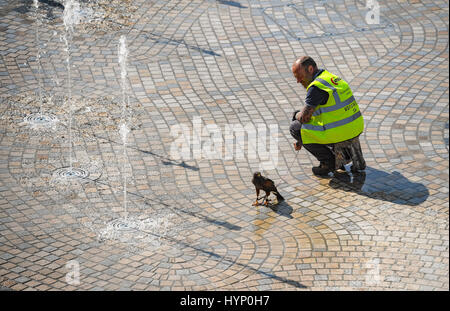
{"x": 228, "y": 62}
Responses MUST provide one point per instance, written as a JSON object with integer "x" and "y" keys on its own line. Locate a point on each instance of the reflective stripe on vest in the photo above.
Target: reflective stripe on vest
{"x": 333, "y": 124}
{"x": 338, "y": 105}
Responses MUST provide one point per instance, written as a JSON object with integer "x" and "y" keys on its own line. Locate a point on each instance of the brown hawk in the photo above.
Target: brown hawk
{"x": 267, "y": 185}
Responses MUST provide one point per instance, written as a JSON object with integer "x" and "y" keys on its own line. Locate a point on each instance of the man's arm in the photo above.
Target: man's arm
{"x": 314, "y": 98}
{"x": 304, "y": 116}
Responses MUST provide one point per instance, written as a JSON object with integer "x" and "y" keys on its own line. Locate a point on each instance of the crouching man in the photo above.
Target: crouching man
{"x": 330, "y": 123}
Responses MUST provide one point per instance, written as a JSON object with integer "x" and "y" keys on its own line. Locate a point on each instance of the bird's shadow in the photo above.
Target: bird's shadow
{"x": 283, "y": 209}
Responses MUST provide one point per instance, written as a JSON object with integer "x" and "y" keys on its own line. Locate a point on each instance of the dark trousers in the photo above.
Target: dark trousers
{"x": 323, "y": 153}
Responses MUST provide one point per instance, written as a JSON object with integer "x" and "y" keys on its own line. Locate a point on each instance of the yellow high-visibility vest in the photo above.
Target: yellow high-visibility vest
{"x": 336, "y": 121}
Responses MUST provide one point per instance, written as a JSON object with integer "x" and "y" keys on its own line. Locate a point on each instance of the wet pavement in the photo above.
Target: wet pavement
{"x": 194, "y": 226}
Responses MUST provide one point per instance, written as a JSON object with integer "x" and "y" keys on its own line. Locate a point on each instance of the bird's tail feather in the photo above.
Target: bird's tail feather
{"x": 279, "y": 197}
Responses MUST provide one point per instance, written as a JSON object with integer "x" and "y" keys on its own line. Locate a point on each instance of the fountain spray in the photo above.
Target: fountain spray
{"x": 38, "y": 120}
{"x": 71, "y": 17}
{"x": 124, "y": 130}
{"x": 38, "y": 53}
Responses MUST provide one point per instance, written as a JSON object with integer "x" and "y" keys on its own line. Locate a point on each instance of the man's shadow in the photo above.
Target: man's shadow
{"x": 376, "y": 184}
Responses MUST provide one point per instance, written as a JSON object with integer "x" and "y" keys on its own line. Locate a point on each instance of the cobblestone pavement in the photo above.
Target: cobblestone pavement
{"x": 228, "y": 62}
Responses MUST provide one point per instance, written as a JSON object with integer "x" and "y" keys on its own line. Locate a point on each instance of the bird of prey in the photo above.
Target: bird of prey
{"x": 267, "y": 185}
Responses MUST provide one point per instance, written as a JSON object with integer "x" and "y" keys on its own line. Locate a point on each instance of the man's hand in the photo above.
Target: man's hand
{"x": 304, "y": 116}
{"x": 297, "y": 146}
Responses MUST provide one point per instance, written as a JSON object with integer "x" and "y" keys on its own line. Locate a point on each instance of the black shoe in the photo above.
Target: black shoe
{"x": 321, "y": 170}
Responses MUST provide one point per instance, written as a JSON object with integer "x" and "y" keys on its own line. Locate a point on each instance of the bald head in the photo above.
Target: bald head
{"x": 305, "y": 62}
{"x": 304, "y": 69}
